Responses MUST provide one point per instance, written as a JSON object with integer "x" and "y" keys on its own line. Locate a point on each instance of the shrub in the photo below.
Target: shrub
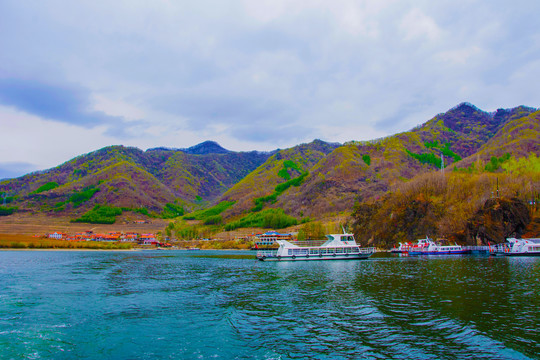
{"x": 444, "y": 150}
{"x": 100, "y": 214}
{"x": 213, "y": 211}
{"x": 6, "y": 199}
{"x": 82, "y": 196}
{"x": 449, "y": 153}
{"x": 367, "y": 159}
{"x": 426, "y": 158}
{"x": 186, "y": 232}
{"x": 278, "y": 190}
{"x": 5, "y": 211}
{"x": 214, "y": 220}
{"x": 495, "y": 163}
{"x": 171, "y": 211}
{"x": 46, "y": 187}
{"x": 268, "y": 218}
{"x": 284, "y": 172}
{"x": 140, "y": 210}
{"x": 18, "y": 245}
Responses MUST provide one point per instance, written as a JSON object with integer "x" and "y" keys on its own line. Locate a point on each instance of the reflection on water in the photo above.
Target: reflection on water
{"x": 230, "y": 256}
{"x": 216, "y": 304}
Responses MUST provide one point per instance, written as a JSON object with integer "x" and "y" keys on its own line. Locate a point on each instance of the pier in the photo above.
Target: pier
{"x": 477, "y": 249}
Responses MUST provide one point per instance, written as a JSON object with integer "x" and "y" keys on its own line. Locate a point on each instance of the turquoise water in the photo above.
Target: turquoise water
{"x": 224, "y": 305}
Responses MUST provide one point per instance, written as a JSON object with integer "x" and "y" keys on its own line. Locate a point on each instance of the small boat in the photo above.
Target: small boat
{"x": 429, "y": 247}
{"x": 516, "y": 247}
{"x": 335, "y": 247}
{"x": 402, "y": 248}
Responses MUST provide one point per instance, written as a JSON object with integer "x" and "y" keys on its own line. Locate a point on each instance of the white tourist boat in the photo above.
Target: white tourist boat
{"x": 517, "y": 247}
{"x": 429, "y": 247}
{"x": 336, "y": 247}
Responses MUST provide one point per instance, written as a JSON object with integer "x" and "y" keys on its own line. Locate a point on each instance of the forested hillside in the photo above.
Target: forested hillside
{"x": 149, "y": 181}
{"x": 439, "y": 179}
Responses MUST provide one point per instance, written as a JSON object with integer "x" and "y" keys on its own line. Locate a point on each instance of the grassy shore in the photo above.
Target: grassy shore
{"x": 215, "y": 244}
{"x": 13, "y": 241}
{"x": 22, "y": 242}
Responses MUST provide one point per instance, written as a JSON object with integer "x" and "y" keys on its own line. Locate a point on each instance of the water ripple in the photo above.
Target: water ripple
{"x": 225, "y": 305}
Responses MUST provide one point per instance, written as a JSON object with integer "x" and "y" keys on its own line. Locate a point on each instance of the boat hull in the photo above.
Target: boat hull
{"x": 315, "y": 257}
{"x": 459, "y": 252}
{"x": 515, "y": 254}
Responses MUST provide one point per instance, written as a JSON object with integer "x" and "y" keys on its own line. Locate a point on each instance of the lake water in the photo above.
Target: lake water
{"x": 224, "y": 305}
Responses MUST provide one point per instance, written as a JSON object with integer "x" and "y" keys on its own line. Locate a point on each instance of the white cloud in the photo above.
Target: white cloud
{"x": 175, "y": 73}
{"x": 417, "y": 25}
{"x": 117, "y": 107}
{"x": 28, "y": 138}
{"x": 461, "y": 56}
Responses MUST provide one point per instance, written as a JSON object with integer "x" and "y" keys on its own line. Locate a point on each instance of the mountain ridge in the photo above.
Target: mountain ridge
{"x": 307, "y": 180}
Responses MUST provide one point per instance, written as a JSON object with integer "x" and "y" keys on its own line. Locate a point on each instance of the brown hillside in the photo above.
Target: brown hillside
{"x": 519, "y": 137}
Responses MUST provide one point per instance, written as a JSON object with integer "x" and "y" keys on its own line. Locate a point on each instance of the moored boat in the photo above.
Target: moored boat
{"x": 402, "y": 248}
{"x": 429, "y": 247}
{"x": 517, "y": 247}
{"x": 336, "y": 247}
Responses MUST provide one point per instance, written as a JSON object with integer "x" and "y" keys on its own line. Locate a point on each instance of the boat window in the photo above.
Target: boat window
{"x": 290, "y": 251}
{"x": 355, "y": 249}
{"x": 348, "y": 250}
{"x": 330, "y": 237}
{"x": 323, "y": 251}
{"x": 313, "y": 251}
{"x": 339, "y": 250}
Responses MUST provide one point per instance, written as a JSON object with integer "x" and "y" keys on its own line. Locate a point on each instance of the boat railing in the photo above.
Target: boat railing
{"x": 273, "y": 253}
{"x": 370, "y": 250}
{"x": 499, "y": 248}
{"x": 308, "y": 243}
{"x": 266, "y": 253}
{"x": 476, "y": 248}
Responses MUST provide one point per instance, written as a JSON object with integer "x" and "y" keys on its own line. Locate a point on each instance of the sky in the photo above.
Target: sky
{"x": 76, "y": 76}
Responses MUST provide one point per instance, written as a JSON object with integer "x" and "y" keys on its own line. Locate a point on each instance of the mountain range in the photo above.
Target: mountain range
{"x": 312, "y": 180}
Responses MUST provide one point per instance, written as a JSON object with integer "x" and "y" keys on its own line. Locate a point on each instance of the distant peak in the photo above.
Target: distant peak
{"x": 465, "y": 105}
{"x": 207, "y": 147}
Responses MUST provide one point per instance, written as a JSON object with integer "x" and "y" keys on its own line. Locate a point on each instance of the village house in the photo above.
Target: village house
{"x": 269, "y": 238}
{"x": 148, "y": 239}
{"x": 84, "y": 236}
{"x": 116, "y": 236}
{"x": 130, "y": 237}
{"x": 57, "y": 235}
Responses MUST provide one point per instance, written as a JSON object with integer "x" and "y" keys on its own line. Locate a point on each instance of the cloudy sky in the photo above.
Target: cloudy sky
{"x": 76, "y": 76}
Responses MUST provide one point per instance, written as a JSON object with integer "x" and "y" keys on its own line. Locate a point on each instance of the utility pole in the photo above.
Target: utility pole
{"x": 442, "y": 163}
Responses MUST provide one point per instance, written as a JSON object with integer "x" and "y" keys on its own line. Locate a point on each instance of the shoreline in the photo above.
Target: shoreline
{"x": 62, "y": 249}
{"x": 119, "y": 250}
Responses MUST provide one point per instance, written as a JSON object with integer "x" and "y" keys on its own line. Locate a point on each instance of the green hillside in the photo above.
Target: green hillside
{"x": 280, "y": 169}
{"x": 131, "y": 178}
{"x": 393, "y": 186}
{"x": 365, "y": 171}
{"x": 377, "y": 173}
{"x": 484, "y": 198}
